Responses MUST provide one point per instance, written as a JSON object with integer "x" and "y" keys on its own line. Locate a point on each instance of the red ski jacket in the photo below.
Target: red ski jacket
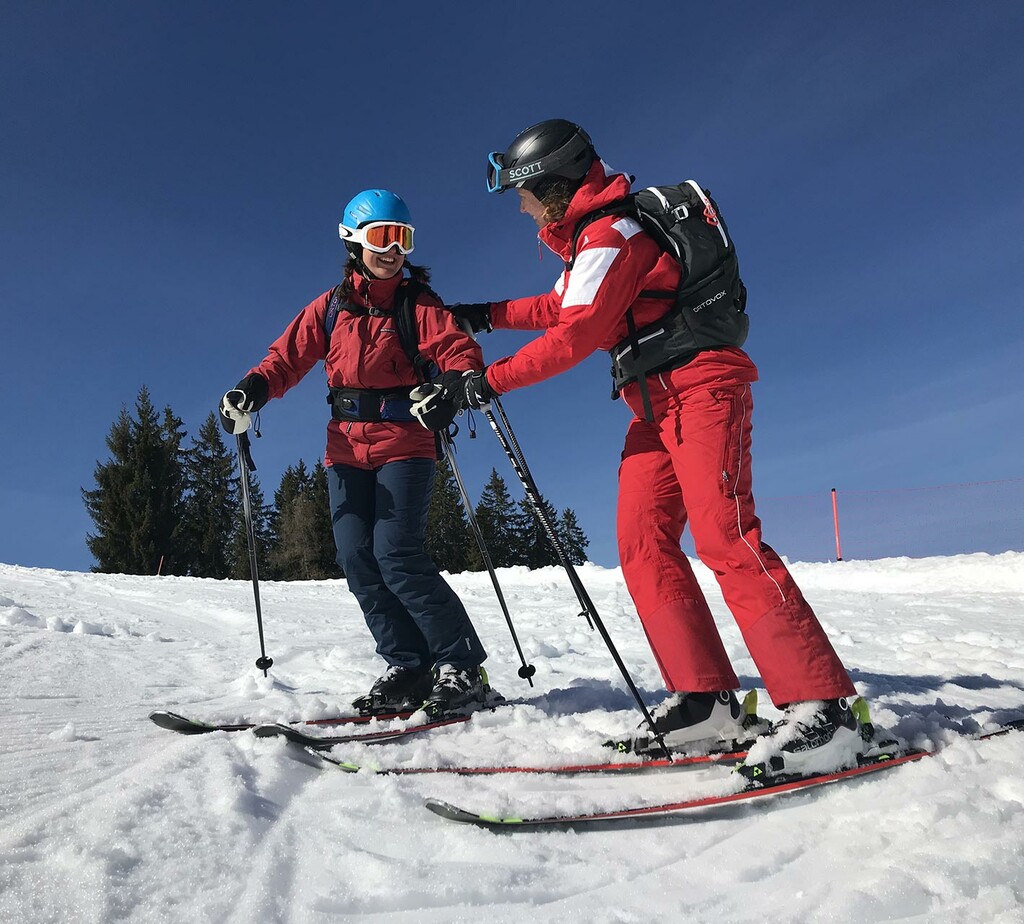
{"x": 586, "y": 310}
{"x": 365, "y": 352}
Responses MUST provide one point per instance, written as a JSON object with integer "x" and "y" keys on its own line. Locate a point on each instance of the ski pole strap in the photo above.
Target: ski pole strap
{"x": 244, "y": 450}
{"x": 369, "y": 404}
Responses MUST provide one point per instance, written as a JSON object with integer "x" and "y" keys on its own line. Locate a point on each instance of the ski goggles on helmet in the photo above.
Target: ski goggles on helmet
{"x": 380, "y": 236}
{"x": 501, "y": 178}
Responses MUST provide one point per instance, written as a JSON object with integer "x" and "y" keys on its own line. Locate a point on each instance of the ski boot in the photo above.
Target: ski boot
{"x": 698, "y": 723}
{"x": 398, "y": 689}
{"x": 816, "y": 736}
{"x": 457, "y": 691}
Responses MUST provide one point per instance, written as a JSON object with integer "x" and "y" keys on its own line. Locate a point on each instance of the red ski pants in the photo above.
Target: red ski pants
{"x": 692, "y": 465}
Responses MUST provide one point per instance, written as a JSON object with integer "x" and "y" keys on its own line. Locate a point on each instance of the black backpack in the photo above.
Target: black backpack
{"x": 708, "y": 307}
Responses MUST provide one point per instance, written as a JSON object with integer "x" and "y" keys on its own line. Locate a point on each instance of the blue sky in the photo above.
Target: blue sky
{"x": 173, "y": 174}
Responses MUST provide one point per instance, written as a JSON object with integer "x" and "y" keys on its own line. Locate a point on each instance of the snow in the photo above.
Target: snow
{"x": 104, "y": 816}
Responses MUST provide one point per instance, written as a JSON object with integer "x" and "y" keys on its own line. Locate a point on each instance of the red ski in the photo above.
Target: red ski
{"x": 620, "y": 767}
{"x": 874, "y": 764}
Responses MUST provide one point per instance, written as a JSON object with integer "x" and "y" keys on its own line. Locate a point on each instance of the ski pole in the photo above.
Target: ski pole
{"x": 515, "y": 455}
{"x": 245, "y": 465}
{"x": 527, "y": 670}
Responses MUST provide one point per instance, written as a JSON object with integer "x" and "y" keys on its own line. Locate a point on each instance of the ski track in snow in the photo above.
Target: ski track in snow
{"x": 105, "y": 817}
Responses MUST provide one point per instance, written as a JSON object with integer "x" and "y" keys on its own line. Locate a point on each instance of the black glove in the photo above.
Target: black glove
{"x": 238, "y": 405}
{"x": 476, "y": 390}
{"x": 432, "y": 407}
{"x": 477, "y": 315}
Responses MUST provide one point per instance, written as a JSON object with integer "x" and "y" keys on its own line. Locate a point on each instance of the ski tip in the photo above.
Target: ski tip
{"x": 1004, "y": 727}
{"x": 451, "y": 812}
{"x": 294, "y": 736}
{"x": 272, "y": 730}
{"x": 304, "y": 755}
{"x": 314, "y": 758}
{"x": 174, "y": 722}
{"x": 343, "y": 765}
{"x": 454, "y": 813}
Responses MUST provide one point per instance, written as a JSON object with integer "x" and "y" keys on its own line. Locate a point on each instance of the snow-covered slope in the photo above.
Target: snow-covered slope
{"x": 105, "y": 817}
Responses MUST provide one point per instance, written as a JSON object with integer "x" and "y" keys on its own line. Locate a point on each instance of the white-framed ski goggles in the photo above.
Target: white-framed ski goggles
{"x": 380, "y": 236}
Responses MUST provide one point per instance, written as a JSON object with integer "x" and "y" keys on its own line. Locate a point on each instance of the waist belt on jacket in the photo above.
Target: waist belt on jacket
{"x": 371, "y": 404}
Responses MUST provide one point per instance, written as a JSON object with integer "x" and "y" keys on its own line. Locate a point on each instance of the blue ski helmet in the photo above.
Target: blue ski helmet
{"x": 375, "y": 205}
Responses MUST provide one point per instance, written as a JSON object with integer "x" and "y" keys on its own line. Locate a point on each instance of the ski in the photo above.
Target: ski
{"x": 744, "y": 791}
{"x": 173, "y": 721}
{"x": 618, "y": 767}
{"x": 326, "y": 742}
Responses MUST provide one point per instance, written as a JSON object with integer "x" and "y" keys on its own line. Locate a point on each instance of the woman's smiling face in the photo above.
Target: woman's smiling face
{"x": 384, "y": 265}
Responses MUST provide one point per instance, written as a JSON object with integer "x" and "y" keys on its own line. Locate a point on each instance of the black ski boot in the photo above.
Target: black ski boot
{"x": 456, "y": 692}
{"x": 398, "y": 689}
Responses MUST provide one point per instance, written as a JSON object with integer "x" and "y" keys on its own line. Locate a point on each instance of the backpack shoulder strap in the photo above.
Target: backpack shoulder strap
{"x": 409, "y": 338}
{"x": 625, "y": 206}
{"x": 405, "y": 322}
{"x": 333, "y": 307}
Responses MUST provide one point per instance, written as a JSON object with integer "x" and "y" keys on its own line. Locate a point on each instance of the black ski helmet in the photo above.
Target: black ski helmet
{"x": 552, "y": 148}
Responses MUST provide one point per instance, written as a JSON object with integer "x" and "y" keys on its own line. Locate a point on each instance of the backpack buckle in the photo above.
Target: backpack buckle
{"x": 680, "y": 213}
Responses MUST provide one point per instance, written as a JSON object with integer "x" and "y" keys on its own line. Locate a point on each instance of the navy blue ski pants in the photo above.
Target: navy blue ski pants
{"x": 380, "y": 522}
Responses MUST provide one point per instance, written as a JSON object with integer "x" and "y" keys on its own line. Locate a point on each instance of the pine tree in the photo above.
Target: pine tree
{"x": 572, "y": 537}
{"x": 211, "y": 504}
{"x": 325, "y": 558}
{"x": 522, "y": 533}
{"x": 137, "y": 503}
{"x": 448, "y": 536}
{"x": 142, "y": 488}
{"x": 173, "y": 484}
{"x": 293, "y": 482}
{"x": 497, "y": 519}
{"x": 533, "y": 546}
{"x": 303, "y": 547}
{"x": 110, "y": 545}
